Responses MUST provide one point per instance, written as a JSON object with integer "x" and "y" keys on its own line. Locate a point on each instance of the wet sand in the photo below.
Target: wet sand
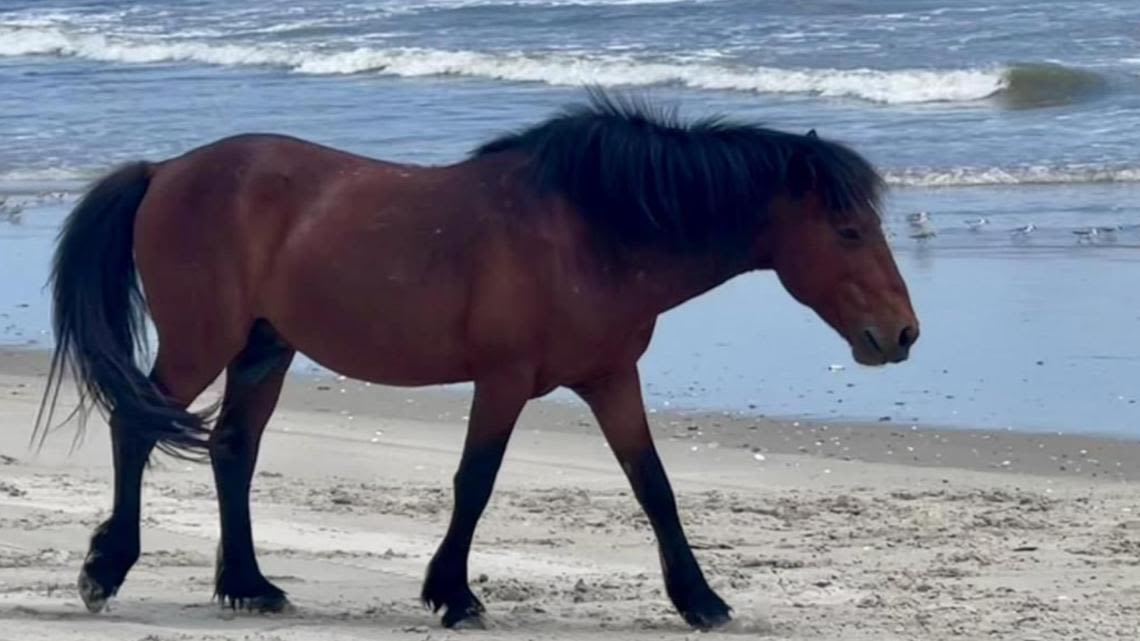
{"x": 811, "y": 532}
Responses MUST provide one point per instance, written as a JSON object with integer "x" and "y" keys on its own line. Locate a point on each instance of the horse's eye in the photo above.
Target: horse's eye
{"x": 850, "y": 233}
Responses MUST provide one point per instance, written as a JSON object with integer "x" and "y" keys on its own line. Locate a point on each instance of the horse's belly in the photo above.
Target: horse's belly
{"x": 390, "y": 358}
{"x": 388, "y": 364}
{"x": 387, "y": 335}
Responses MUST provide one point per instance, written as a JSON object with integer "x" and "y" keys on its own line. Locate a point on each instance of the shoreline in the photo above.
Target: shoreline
{"x": 346, "y": 404}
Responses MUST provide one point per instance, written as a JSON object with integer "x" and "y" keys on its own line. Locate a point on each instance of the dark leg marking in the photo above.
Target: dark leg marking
{"x": 616, "y": 402}
{"x": 684, "y": 581}
{"x": 446, "y": 586}
{"x": 115, "y": 543}
{"x": 494, "y": 411}
{"x": 253, "y": 385}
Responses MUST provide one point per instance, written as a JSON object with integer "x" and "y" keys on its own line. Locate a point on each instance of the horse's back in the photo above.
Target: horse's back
{"x": 366, "y": 266}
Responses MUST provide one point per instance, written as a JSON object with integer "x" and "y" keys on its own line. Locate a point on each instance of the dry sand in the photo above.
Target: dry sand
{"x": 846, "y": 532}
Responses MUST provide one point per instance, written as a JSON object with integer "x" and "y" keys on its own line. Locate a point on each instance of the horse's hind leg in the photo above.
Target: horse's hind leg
{"x": 115, "y": 543}
{"x": 253, "y": 384}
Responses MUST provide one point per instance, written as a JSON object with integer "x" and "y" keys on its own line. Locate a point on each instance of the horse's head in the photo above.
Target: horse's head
{"x": 841, "y": 267}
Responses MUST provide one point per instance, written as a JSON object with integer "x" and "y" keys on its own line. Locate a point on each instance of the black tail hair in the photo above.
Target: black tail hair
{"x": 100, "y": 323}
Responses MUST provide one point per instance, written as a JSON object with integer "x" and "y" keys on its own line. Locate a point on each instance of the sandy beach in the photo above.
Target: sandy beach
{"x": 844, "y": 532}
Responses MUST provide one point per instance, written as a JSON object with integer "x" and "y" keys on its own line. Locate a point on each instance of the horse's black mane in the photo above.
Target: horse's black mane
{"x": 642, "y": 175}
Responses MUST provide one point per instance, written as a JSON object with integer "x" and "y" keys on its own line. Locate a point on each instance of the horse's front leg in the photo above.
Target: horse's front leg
{"x": 494, "y": 410}
{"x": 616, "y": 402}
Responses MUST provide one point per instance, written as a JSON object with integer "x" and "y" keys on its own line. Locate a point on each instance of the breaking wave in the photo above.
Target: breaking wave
{"x": 1027, "y": 175}
{"x": 36, "y": 180}
{"x": 1045, "y": 84}
{"x": 1023, "y": 85}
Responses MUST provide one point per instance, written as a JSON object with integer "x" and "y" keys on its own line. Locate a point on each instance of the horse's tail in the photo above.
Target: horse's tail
{"x": 100, "y": 323}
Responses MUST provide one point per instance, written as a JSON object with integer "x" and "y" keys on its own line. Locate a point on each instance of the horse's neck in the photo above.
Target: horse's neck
{"x": 661, "y": 280}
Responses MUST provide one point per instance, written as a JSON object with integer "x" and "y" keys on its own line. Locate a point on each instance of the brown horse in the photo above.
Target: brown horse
{"x": 541, "y": 261}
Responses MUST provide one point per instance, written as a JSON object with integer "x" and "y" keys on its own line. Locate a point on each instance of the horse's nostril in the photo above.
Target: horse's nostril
{"x": 908, "y": 336}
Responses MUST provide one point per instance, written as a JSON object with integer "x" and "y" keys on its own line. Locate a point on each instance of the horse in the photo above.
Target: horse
{"x": 542, "y": 260}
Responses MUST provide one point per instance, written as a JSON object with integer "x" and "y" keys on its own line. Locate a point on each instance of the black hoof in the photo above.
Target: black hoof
{"x": 94, "y": 594}
{"x": 707, "y": 612}
{"x": 462, "y": 609}
{"x": 251, "y": 593}
{"x": 467, "y": 618}
{"x": 262, "y": 604}
{"x": 101, "y": 576}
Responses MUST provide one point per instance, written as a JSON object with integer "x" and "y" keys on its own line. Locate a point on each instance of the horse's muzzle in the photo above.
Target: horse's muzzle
{"x": 870, "y": 346}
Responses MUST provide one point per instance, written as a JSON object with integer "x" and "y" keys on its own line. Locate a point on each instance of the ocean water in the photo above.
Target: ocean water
{"x": 937, "y": 93}
{"x": 1022, "y": 113}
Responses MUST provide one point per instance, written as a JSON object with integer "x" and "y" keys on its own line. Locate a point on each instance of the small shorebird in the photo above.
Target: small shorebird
{"x": 976, "y": 224}
{"x": 1024, "y": 230}
{"x": 920, "y": 225}
{"x": 918, "y": 219}
{"x": 1107, "y": 233}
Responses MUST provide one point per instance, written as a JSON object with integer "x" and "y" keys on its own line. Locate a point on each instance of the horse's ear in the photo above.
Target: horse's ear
{"x": 811, "y": 134}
